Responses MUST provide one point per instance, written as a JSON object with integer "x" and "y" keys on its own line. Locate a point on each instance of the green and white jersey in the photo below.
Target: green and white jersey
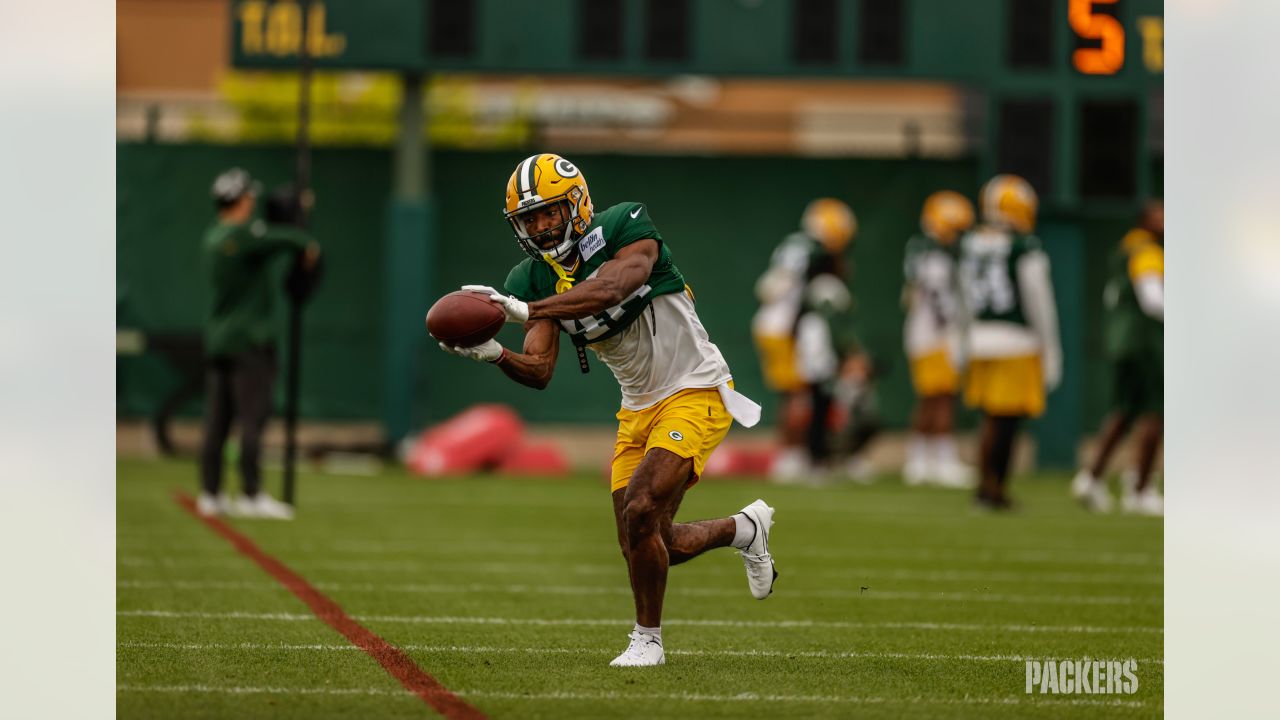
{"x": 789, "y": 269}
{"x": 653, "y": 341}
{"x": 933, "y": 302}
{"x": 610, "y": 231}
{"x": 1008, "y": 293}
{"x": 825, "y": 334}
{"x": 989, "y": 272}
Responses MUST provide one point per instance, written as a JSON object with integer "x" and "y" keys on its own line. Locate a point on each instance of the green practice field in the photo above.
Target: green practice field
{"x": 892, "y": 602}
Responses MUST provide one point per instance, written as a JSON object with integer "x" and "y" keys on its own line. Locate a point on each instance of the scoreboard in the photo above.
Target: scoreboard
{"x": 969, "y": 40}
{"x": 1066, "y": 87}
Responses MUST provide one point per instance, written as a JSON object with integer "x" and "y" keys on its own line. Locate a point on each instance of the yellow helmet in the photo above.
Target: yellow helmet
{"x": 1009, "y": 201}
{"x": 831, "y": 222}
{"x": 946, "y": 214}
{"x": 540, "y": 181}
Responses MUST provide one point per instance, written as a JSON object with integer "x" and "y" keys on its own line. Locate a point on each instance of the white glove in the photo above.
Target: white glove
{"x": 487, "y": 351}
{"x": 1052, "y": 368}
{"x": 517, "y": 311}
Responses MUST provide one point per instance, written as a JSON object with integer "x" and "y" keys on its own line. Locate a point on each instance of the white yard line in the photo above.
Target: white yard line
{"x": 242, "y": 646}
{"x": 630, "y": 697}
{"x": 869, "y": 594}
{"x": 189, "y": 689}
{"x": 617, "y": 568}
{"x": 588, "y": 622}
{"x": 471, "y": 649}
{"x": 528, "y": 547}
{"x": 874, "y": 508}
{"x": 231, "y": 615}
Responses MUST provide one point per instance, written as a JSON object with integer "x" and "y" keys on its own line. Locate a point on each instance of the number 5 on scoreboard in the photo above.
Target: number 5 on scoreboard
{"x": 1090, "y": 25}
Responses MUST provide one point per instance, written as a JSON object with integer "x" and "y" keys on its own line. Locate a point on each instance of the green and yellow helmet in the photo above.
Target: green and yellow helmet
{"x": 1008, "y": 201}
{"x": 538, "y": 182}
{"x": 945, "y": 215}
{"x": 830, "y": 222}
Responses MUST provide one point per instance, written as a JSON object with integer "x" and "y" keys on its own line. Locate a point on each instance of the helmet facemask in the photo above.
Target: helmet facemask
{"x": 558, "y": 241}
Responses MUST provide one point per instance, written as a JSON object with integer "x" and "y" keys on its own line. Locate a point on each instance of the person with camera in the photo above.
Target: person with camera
{"x": 240, "y": 255}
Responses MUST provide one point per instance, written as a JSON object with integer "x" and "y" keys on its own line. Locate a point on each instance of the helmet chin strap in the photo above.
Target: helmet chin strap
{"x": 562, "y": 251}
{"x": 565, "y": 280}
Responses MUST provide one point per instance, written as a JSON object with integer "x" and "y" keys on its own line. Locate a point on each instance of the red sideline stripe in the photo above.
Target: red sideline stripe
{"x": 393, "y": 659}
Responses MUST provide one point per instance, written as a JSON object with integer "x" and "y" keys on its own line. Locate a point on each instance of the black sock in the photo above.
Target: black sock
{"x": 1006, "y": 432}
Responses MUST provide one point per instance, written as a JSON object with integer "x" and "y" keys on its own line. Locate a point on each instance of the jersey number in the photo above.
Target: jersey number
{"x": 990, "y": 288}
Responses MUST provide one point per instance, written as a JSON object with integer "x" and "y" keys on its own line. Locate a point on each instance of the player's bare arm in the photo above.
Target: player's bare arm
{"x": 615, "y": 281}
{"x": 537, "y": 363}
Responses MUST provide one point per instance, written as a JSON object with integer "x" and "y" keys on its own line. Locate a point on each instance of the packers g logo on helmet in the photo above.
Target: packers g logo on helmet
{"x": 945, "y": 215}
{"x": 1009, "y": 201}
{"x": 543, "y": 181}
{"x": 831, "y": 222}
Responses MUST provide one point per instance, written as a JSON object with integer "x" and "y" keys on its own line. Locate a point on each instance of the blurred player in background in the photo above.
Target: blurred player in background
{"x": 1014, "y": 349}
{"x": 607, "y": 279}
{"x": 1134, "y": 335}
{"x": 933, "y": 343}
{"x": 240, "y": 337}
{"x": 836, "y": 370}
{"x": 827, "y": 226}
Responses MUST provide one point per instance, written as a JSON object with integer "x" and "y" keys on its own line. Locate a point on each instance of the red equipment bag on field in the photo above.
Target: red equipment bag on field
{"x": 739, "y": 460}
{"x": 535, "y": 459}
{"x": 476, "y": 439}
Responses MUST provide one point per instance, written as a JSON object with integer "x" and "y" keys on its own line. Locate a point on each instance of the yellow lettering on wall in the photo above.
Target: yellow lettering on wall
{"x": 250, "y": 15}
{"x": 275, "y": 28}
{"x": 1152, "y": 29}
{"x": 1105, "y": 60}
{"x": 319, "y": 42}
{"x": 284, "y": 29}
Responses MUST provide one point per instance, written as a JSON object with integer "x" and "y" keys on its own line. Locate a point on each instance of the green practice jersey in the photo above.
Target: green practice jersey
{"x": 918, "y": 248}
{"x": 803, "y": 255}
{"x": 840, "y": 325}
{"x": 237, "y": 258}
{"x": 989, "y": 273}
{"x": 928, "y": 268}
{"x": 610, "y": 231}
{"x": 1129, "y": 331}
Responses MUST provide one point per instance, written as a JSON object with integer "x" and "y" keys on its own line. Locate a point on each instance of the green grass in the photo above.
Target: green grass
{"x": 901, "y": 603}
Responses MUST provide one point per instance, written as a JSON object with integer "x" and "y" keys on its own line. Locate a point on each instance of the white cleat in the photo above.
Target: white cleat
{"x": 1081, "y": 484}
{"x": 264, "y": 507}
{"x": 1148, "y": 502}
{"x": 212, "y": 505}
{"x": 1090, "y": 492}
{"x": 755, "y": 557}
{"x": 916, "y": 473}
{"x": 791, "y": 467}
{"x": 954, "y": 475}
{"x": 645, "y": 650}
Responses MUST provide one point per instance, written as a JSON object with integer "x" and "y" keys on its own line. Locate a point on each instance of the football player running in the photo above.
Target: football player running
{"x": 1014, "y": 350}
{"x": 932, "y": 334}
{"x": 607, "y": 280}
{"x": 1134, "y": 338}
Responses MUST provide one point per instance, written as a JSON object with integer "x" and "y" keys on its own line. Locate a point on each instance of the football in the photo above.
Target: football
{"x": 464, "y": 319}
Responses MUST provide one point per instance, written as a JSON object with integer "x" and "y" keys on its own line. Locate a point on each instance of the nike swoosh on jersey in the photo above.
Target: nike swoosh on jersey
{"x": 635, "y": 213}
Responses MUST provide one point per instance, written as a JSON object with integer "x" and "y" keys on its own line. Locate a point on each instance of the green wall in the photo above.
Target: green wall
{"x": 722, "y": 217}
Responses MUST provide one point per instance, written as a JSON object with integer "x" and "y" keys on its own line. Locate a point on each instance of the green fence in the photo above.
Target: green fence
{"x": 722, "y": 217}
